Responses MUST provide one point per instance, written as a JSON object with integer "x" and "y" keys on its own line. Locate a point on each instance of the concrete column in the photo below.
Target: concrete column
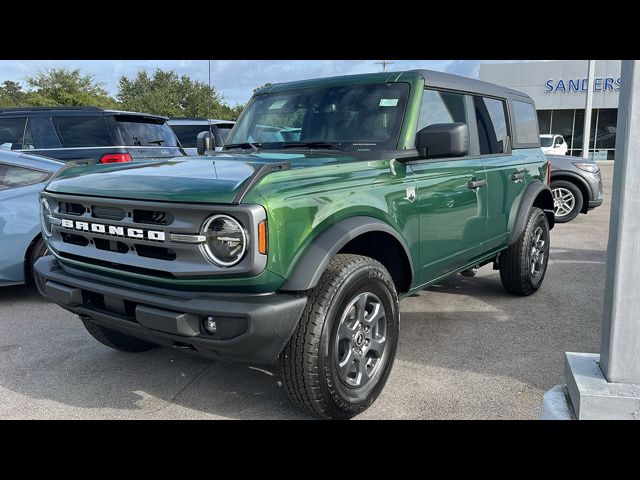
{"x": 607, "y": 386}
{"x": 591, "y": 73}
{"x": 620, "y": 349}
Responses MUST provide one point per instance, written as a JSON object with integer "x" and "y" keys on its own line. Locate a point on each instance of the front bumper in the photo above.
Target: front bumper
{"x": 251, "y": 328}
{"x": 595, "y": 203}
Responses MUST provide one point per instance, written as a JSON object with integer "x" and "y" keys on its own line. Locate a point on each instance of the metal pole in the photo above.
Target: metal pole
{"x": 587, "y": 110}
{"x": 620, "y": 349}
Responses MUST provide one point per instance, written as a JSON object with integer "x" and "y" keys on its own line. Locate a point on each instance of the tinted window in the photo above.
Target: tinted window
{"x": 40, "y": 134}
{"x": 141, "y": 132}
{"x": 224, "y": 132}
{"x": 492, "y": 125}
{"x": 546, "y": 142}
{"x": 12, "y": 176}
{"x": 187, "y": 134}
{"x": 526, "y": 122}
{"x": 441, "y": 107}
{"x": 12, "y": 130}
{"x": 352, "y": 116}
{"x": 83, "y": 131}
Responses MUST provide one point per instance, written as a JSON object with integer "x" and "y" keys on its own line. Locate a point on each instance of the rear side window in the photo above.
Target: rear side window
{"x": 12, "y": 131}
{"x": 12, "y": 176}
{"x": 491, "y": 115}
{"x": 441, "y": 107}
{"x": 40, "y": 134}
{"x": 526, "y": 123}
{"x": 142, "y": 132}
{"x": 83, "y": 131}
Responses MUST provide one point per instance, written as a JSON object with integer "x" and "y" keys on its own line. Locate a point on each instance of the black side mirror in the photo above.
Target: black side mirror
{"x": 205, "y": 142}
{"x": 443, "y": 140}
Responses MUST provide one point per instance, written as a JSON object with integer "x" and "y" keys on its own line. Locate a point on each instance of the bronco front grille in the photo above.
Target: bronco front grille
{"x": 144, "y": 237}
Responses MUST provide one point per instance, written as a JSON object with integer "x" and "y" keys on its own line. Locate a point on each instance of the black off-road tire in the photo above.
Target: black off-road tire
{"x": 307, "y": 362}
{"x": 39, "y": 249}
{"x": 515, "y": 262}
{"x": 578, "y": 199}
{"x": 115, "y": 339}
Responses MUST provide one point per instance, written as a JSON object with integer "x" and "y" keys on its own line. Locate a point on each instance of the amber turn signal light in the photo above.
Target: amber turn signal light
{"x": 262, "y": 237}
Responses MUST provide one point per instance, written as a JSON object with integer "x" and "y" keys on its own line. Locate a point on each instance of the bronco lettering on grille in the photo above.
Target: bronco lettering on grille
{"x": 113, "y": 230}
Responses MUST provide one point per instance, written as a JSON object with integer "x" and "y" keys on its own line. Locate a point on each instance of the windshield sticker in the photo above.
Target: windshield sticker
{"x": 388, "y": 102}
{"x": 277, "y": 104}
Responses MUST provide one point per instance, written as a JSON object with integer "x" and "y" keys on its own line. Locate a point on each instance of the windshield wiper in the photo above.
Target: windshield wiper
{"x": 159, "y": 142}
{"x": 331, "y": 146}
{"x": 254, "y": 146}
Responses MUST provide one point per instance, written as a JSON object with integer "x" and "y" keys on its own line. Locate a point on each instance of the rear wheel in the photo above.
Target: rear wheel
{"x": 340, "y": 355}
{"x": 567, "y": 200}
{"x": 115, "y": 339}
{"x": 524, "y": 264}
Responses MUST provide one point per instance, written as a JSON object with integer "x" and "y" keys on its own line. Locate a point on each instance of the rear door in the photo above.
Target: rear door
{"x": 504, "y": 170}
{"x": 452, "y": 215}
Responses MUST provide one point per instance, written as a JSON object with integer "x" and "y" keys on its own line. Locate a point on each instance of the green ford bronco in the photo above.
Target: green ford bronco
{"x": 331, "y": 200}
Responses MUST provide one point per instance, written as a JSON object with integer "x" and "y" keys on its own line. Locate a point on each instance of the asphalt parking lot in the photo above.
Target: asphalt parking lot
{"x": 467, "y": 350}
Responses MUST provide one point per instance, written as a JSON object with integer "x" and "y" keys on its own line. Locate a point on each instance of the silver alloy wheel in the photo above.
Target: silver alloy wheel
{"x": 360, "y": 340}
{"x": 537, "y": 253}
{"x": 563, "y": 201}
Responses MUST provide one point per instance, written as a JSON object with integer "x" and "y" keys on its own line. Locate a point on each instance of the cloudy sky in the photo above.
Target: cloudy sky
{"x": 235, "y": 79}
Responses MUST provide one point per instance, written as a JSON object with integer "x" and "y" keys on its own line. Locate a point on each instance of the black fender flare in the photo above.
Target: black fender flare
{"x": 315, "y": 259}
{"x": 536, "y": 193}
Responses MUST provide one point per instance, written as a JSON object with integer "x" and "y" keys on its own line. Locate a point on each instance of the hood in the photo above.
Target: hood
{"x": 215, "y": 179}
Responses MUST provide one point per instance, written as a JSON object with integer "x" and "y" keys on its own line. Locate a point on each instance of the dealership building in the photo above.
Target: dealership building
{"x": 559, "y": 91}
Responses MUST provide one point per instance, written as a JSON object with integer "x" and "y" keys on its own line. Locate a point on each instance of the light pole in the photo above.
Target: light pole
{"x": 607, "y": 386}
{"x": 587, "y": 110}
{"x": 384, "y": 64}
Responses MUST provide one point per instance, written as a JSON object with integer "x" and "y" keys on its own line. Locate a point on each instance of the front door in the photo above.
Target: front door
{"x": 451, "y": 209}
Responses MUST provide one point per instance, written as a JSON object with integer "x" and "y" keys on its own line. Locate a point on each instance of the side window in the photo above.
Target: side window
{"x": 12, "y": 131}
{"x": 83, "y": 131}
{"x": 12, "y": 176}
{"x": 441, "y": 107}
{"x": 526, "y": 123}
{"x": 40, "y": 134}
{"x": 491, "y": 115}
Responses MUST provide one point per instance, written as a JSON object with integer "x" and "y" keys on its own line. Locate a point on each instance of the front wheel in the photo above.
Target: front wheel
{"x": 567, "y": 200}
{"x": 524, "y": 264}
{"x": 340, "y": 355}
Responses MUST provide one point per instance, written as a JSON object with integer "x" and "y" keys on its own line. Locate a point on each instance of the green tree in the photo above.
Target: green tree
{"x": 11, "y": 94}
{"x": 62, "y": 87}
{"x": 268, "y": 84}
{"x": 166, "y": 93}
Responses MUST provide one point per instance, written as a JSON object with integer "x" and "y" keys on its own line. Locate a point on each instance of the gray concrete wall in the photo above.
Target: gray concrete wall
{"x": 531, "y": 78}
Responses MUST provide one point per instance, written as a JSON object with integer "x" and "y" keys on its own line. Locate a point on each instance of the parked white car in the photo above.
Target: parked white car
{"x": 553, "y": 144}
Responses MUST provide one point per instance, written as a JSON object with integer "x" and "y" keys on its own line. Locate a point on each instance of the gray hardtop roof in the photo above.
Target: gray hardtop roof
{"x": 71, "y": 111}
{"x": 471, "y": 85}
{"x": 431, "y": 78}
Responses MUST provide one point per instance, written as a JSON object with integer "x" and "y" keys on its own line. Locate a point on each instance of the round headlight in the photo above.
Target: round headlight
{"x": 45, "y": 211}
{"x": 226, "y": 240}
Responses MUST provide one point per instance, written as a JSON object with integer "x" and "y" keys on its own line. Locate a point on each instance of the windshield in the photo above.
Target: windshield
{"x": 351, "y": 117}
{"x": 546, "y": 141}
{"x": 141, "y": 132}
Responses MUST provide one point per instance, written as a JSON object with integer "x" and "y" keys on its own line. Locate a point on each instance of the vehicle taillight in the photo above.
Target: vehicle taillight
{"x": 116, "y": 158}
{"x": 548, "y": 173}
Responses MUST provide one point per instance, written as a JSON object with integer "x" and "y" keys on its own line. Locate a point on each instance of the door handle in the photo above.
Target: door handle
{"x": 473, "y": 184}
{"x": 516, "y": 177}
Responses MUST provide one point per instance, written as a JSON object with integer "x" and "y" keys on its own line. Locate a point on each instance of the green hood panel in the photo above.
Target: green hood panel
{"x": 210, "y": 179}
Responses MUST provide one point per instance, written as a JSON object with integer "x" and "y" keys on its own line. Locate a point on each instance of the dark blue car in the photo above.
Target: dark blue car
{"x": 22, "y": 176}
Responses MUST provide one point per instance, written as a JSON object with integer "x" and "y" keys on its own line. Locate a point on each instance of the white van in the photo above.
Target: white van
{"x": 553, "y": 144}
